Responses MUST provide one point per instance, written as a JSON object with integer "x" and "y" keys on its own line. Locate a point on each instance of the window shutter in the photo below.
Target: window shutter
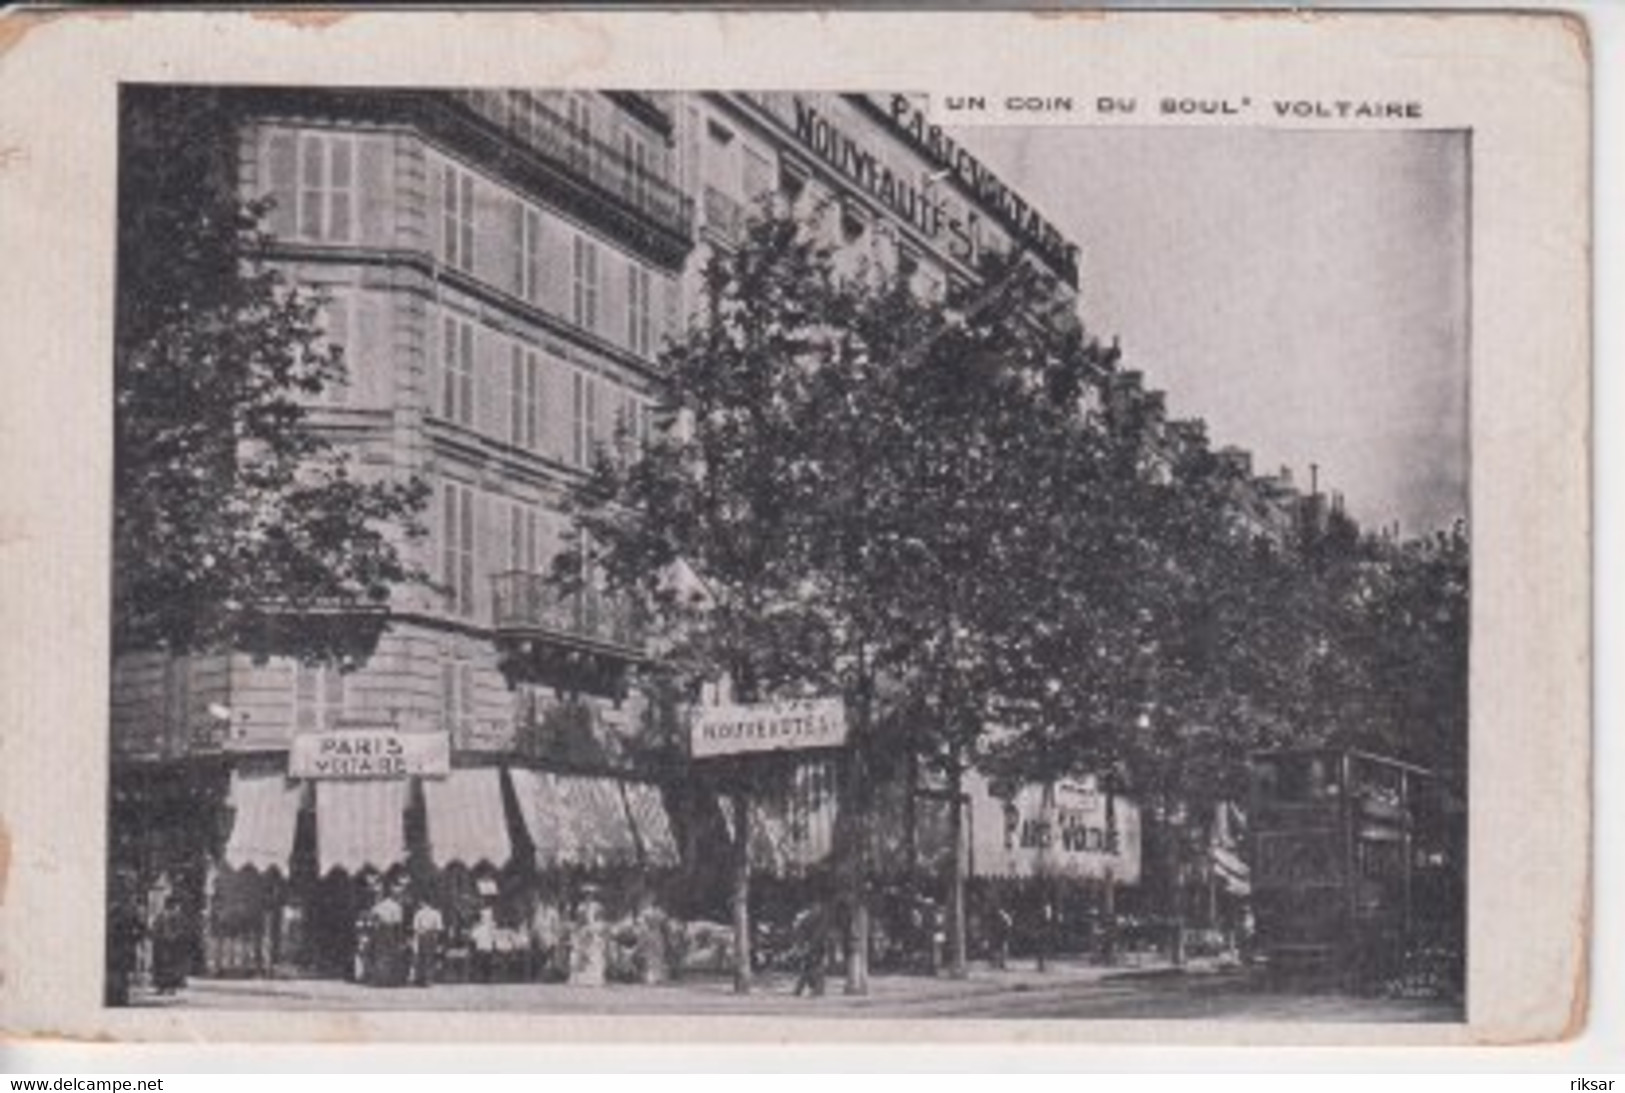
{"x": 465, "y": 692}
{"x": 515, "y": 232}
{"x": 369, "y": 374}
{"x": 448, "y": 544}
{"x": 435, "y": 217}
{"x": 616, "y": 298}
{"x": 532, "y": 255}
{"x": 374, "y": 196}
{"x": 332, "y": 681}
{"x": 448, "y": 693}
{"x": 533, "y": 401}
{"x": 556, "y": 404}
{"x": 304, "y": 698}
{"x": 340, "y": 335}
{"x": 671, "y": 308}
{"x": 465, "y": 553}
{"x": 282, "y": 156}
{"x": 341, "y": 188}
{"x": 513, "y": 393}
{"x": 312, "y": 169}
{"x": 465, "y": 374}
{"x": 489, "y": 369}
{"x": 449, "y": 235}
{"x": 465, "y": 210}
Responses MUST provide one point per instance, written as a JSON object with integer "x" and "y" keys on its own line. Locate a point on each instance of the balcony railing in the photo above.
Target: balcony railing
{"x": 531, "y": 605}
{"x": 564, "y": 144}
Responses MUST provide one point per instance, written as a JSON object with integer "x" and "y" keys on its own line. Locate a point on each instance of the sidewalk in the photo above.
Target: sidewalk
{"x": 772, "y": 993}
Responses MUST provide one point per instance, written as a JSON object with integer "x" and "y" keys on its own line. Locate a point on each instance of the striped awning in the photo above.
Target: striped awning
{"x": 587, "y": 821}
{"x": 466, "y": 821}
{"x": 653, "y": 826}
{"x": 792, "y": 831}
{"x": 360, "y": 824}
{"x": 265, "y": 814}
{"x": 1231, "y": 871}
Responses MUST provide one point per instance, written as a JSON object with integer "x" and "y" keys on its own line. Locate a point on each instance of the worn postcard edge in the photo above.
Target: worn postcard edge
{"x": 1520, "y": 82}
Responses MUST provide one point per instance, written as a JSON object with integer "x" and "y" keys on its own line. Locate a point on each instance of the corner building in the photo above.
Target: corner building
{"x": 503, "y": 268}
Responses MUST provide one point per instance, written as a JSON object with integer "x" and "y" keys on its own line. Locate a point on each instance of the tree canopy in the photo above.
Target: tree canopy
{"x": 233, "y": 514}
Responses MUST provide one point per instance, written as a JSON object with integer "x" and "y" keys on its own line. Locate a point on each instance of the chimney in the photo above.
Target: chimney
{"x": 1238, "y": 461}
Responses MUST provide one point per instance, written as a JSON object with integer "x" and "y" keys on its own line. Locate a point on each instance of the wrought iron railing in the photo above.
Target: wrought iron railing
{"x": 531, "y": 603}
{"x": 556, "y": 139}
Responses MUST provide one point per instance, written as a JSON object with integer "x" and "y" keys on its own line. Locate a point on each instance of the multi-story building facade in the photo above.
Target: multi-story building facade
{"x": 501, "y": 270}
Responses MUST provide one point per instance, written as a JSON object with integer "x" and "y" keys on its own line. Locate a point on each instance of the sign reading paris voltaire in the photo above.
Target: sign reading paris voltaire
{"x": 768, "y": 726}
{"x": 925, "y": 207}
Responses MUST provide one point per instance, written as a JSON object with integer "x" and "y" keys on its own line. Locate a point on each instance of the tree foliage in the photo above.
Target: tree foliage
{"x": 232, "y": 513}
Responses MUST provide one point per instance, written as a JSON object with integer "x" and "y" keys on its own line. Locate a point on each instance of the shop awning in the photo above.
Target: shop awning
{"x": 653, "y": 826}
{"x": 1231, "y": 871}
{"x": 360, "y": 824}
{"x": 466, "y": 821}
{"x": 265, "y": 813}
{"x": 575, "y": 820}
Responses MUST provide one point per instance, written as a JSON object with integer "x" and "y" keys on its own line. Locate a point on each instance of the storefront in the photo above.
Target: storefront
{"x": 496, "y": 848}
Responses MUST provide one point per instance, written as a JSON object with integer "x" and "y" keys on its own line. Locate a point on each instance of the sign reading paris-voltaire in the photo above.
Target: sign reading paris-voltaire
{"x": 369, "y": 753}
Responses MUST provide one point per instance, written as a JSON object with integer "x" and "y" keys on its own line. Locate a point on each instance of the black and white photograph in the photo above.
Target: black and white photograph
{"x": 803, "y": 529}
{"x": 798, "y": 553}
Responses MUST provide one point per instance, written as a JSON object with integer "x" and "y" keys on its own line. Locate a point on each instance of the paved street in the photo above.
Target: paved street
{"x": 1062, "y": 992}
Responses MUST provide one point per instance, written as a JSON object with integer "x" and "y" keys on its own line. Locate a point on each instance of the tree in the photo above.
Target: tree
{"x": 842, "y": 464}
{"x": 237, "y": 523}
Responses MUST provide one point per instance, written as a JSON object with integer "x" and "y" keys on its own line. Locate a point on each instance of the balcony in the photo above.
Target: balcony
{"x": 529, "y": 606}
{"x": 566, "y": 146}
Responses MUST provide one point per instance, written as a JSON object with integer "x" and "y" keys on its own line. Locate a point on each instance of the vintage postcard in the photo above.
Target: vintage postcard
{"x": 804, "y": 525}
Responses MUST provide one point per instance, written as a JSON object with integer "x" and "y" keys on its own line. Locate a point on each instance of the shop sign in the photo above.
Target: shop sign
{"x": 369, "y": 753}
{"x": 1068, "y": 829}
{"x": 769, "y": 726}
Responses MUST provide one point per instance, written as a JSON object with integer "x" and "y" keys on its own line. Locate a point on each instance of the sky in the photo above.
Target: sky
{"x": 1303, "y": 291}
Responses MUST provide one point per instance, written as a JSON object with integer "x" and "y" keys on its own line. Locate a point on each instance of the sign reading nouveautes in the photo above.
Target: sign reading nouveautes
{"x": 769, "y": 726}
{"x": 369, "y": 753}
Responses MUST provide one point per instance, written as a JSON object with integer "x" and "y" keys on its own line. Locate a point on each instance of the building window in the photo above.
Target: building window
{"x": 579, "y": 114}
{"x": 457, "y": 370}
{"x": 318, "y": 697}
{"x": 585, "y": 417}
{"x": 313, "y": 180}
{"x": 635, "y": 153}
{"x": 523, "y": 552}
{"x": 338, "y": 334}
{"x": 457, "y": 695}
{"x": 457, "y": 548}
{"x": 639, "y": 310}
{"x": 584, "y": 283}
{"x": 457, "y": 218}
{"x": 525, "y": 398}
{"x": 792, "y": 180}
{"x": 530, "y": 255}
{"x": 757, "y": 180}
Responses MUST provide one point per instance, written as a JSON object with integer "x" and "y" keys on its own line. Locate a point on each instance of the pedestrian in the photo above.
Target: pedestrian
{"x": 1000, "y": 926}
{"x": 428, "y": 925}
{"x": 389, "y": 941}
{"x": 811, "y": 931}
{"x": 653, "y": 947}
{"x": 484, "y": 938}
{"x": 124, "y": 934}
{"x": 589, "y": 942}
{"x": 170, "y": 949}
{"x": 547, "y": 941}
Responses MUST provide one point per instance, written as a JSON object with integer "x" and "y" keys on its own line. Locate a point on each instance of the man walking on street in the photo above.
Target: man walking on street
{"x": 811, "y": 931}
